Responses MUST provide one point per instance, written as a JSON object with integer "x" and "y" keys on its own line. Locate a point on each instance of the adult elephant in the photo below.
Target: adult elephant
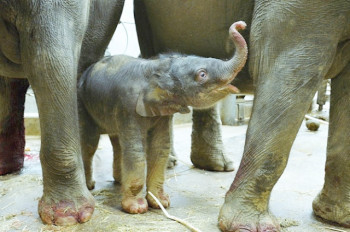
{"x": 49, "y": 43}
{"x": 294, "y": 45}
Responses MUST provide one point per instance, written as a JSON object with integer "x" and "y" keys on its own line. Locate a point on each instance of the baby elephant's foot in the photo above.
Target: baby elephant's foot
{"x": 135, "y": 205}
{"x": 162, "y": 197}
{"x": 333, "y": 210}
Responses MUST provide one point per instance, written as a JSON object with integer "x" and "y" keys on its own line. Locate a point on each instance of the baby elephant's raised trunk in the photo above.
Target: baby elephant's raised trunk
{"x": 234, "y": 65}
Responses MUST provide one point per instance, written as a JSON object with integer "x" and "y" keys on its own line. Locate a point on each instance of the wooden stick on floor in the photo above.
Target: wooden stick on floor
{"x": 193, "y": 229}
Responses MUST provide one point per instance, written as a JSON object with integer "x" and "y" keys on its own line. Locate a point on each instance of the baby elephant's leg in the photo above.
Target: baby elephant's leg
{"x": 132, "y": 169}
{"x": 159, "y": 144}
{"x": 116, "y": 158}
{"x": 89, "y": 137}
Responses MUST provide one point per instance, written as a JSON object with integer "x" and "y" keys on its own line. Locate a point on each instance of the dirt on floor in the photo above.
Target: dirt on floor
{"x": 196, "y": 195}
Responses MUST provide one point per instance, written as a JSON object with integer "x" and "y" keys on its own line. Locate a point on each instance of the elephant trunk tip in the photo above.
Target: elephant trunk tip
{"x": 240, "y": 25}
{"x": 237, "y": 37}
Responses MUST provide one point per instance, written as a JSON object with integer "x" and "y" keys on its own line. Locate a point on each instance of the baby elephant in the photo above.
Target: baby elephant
{"x": 133, "y": 100}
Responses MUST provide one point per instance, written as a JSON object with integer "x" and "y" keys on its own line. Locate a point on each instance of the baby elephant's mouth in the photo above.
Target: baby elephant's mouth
{"x": 229, "y": 88}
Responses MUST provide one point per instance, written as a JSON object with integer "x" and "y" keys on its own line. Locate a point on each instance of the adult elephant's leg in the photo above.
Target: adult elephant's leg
{"x": 289, "y": 68}
{"x": 103, "y": 20}
{"x": 117, "y": 159}
{"x": 89, "y": 138}
{"x": 89, "y": 144}
{"x": 272, "y": 129}
{"x": 321, "y": 95}
{"x": 207, "y": 146}
{"x": 333, "y": 202}
{"x": 50, "y": 46}
{"x": 12, "y": 96}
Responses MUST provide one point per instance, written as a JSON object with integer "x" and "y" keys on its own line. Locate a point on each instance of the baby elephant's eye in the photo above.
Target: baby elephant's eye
{"x": 201, "y": 76}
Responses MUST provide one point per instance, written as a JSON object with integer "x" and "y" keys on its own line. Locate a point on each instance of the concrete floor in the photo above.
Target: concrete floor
{"x": 196, "y": 195}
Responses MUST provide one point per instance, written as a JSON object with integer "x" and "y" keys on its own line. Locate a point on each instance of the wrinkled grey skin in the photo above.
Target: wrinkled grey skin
{"x": 133, "y": 100}
{"x": 49, "y": 42}
{"x": 294, "y": 45}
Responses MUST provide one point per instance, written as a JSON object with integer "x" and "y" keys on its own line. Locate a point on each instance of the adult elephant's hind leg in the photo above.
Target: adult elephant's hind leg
{"x": 89, "y": 138}
{"x": 117, "y": 159}
{"x": 207, "y": 146}
{"x": 12, "y": 96}
{"x": 51, "y": 56}
{"x": 333, "y": 202}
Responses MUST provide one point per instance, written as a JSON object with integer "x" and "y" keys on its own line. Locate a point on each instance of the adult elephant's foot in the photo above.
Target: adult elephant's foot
{"x": 134, "y": 205}
{"x": 247, "y": 211}
{"x": 161, "y": 196}
{"x": 211, "y": 159}
{"x": 334, "y": 210}
{"x": 238, "y": 217}
{"x": 207, "y": 146}
{"x": 63, "y": 212}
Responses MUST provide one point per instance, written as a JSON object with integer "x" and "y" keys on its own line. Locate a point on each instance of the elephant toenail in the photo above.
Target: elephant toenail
{"x": 244, "y": 230}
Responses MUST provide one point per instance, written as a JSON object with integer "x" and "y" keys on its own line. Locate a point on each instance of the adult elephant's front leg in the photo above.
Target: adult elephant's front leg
{"x": 289, "y": 68}
{"x": 272, "y": 129}
{"x": 12, "y": 95}
{"x": 207, "y": 146}
{"x": 51, "y": 55}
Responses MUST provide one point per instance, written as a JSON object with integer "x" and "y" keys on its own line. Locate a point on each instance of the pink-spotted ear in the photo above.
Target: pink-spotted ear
{"x": 158, "y": 102}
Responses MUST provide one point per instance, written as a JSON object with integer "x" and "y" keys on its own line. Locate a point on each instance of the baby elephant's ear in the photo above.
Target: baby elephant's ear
{"x": 158, "y": 102}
